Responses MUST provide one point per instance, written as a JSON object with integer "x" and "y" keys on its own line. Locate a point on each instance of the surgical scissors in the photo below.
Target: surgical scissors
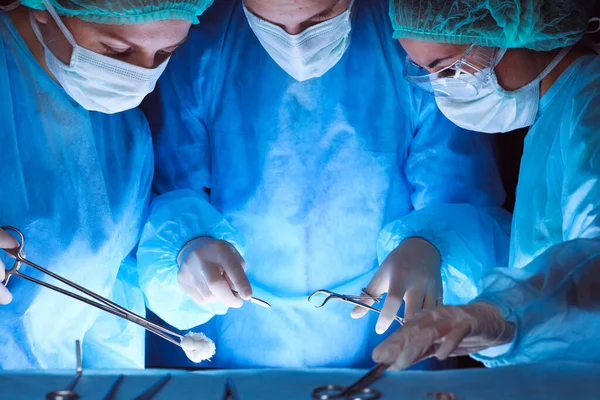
{"x": 359, "y": 390}
{"x": 255, "y": 300}
{"x": 230, "y": 392}
{"x": 356, "y": 300}
{"x": 154, "y": 390}
{"x": 69, "y": 393}
{"x": 100, "y": 302}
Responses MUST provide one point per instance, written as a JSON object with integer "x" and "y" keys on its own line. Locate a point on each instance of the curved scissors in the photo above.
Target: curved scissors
{"x": 355, "y": 300}
{"x": 100, "y": 302}
{"x": 357, "y": 391}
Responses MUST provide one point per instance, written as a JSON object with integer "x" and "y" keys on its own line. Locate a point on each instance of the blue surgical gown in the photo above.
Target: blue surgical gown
{"x": 552, "y": 290}
{"x": 302, "y": 177}
{"x": 77, "y": 184}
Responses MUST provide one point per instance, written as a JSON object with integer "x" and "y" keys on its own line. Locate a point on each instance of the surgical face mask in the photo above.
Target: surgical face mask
{"x": 309, "y": 54}
{"x": 97, "y": 82}
{"x": 495, "y": 109}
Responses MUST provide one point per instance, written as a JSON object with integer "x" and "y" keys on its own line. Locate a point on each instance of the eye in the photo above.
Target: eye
{"x": 166, "y": 53}
{"x": 110, "y": 51}
{"x": 447, "y": 73}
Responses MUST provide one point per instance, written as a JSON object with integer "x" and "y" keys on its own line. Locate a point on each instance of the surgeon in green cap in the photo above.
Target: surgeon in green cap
{"x": 76, "y": 163}
{"x": 496, "y": 67}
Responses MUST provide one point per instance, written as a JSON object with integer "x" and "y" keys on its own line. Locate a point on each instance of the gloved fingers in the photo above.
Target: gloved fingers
{"x": 408, "y": 344}
{"x": 391, "y": 306}
{"x": 376, "y": 288}
{"x": 203, "y": 290}
{"x": 7, "y": 241}
{"x": 219, "y": 287}
{"x": 388, "y": 351}
{"x": 413, "y": 303}
{"x": 430, "y": 300}
{"x": 451, "y": 341}
{"x": 234, "y": 268}
{"x": 5, "y": 295}
{"x": 188, "y": 285}
{"x": 415, "y": 351}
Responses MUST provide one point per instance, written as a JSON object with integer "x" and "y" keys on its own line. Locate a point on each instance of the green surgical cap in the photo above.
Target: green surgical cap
{"x": 533, "y": 24}
{"x": 126, "y": 11}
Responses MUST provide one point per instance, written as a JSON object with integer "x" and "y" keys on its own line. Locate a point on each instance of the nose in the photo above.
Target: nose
{"x": 146, "y": 60}
{"x": 294, "y": 29}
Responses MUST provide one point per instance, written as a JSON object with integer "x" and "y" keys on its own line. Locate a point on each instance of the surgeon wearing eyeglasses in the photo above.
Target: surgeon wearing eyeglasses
{"x": 76, "y": 165}
{"x": 290, "y": 154}
{"x": 506, "y": 66}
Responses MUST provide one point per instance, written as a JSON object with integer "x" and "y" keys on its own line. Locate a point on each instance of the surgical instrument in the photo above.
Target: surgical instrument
{"x": 355, "y": 300}
{"x": 100, "y": 302}
{"x": 254, "y": 300}
{"x": 359, "y": 390}
{"x": 230, "y": 392}
{"x": 69, "y": 393}
{"x": 112, "y": 391}
{"x": 154, "y": 390}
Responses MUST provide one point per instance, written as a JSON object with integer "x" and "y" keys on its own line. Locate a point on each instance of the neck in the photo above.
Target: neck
{"x": 20, "y": 18}
{"x": 565, "y": 63}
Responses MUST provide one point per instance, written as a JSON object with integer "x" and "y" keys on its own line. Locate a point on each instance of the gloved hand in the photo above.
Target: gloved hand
{"x": 210, "y": 269}
{"x": 7, "y": 241}
{"x": 410, "y": 272}
{"x": 443, "y": 332}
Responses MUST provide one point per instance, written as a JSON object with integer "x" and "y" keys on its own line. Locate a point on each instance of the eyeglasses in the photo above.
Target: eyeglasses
{"x": 462, "y": 79}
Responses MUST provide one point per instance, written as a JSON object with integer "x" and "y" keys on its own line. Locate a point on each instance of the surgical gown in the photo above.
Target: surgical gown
{"x": 552, "y": 291}
{"x": 302, "y": 177}
{"x": 76, "y": 184}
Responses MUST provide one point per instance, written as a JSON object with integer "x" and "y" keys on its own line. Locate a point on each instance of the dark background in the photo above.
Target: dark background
{"x": 510, "y": 148}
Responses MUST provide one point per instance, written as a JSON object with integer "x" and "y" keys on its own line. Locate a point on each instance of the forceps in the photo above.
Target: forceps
{"x": 230, "y": 393}
{"x": 359, "y": 390}
{"x": 100, "y": 302}
{"x": 69, "y": 393}
{"x": 356, "y": 300}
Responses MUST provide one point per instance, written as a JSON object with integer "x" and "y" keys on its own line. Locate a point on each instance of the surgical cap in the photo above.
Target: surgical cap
{"x": 126, "y": 11}
{"x": 534, "y": 24}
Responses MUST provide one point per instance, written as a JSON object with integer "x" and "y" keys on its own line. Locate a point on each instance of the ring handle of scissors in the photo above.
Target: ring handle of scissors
{"x": 335, "y": 392}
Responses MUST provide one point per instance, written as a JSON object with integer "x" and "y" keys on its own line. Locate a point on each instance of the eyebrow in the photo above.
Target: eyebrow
{"x": 437, "y": 62}
{"x": 324, "y": 12}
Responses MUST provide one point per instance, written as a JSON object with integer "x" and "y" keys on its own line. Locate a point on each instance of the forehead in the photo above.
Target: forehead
{"x": 159, "y": 32}
{"x": 423, "y": 53}
{"x": 296, "y": 9}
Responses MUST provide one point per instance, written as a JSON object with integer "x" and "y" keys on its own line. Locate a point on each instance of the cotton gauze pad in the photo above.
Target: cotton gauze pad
{"x": 197, "y": 347}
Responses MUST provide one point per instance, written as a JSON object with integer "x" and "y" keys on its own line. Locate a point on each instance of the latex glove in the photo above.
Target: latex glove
{"x": 411, "y": 273}
{"x": 7, "y": 241}
{"x": 443, "y": 332}
{"x": 210, "y": 269}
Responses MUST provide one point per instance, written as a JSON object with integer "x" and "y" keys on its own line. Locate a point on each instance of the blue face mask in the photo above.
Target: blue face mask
{"x": 494, "y": 109}
{"x": 309, "y": 54}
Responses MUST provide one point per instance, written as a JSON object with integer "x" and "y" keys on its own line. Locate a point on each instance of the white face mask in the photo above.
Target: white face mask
{"x": 97, "y": 82}
{"x": 309, "y": 54}
{"x": 494, "y": 109}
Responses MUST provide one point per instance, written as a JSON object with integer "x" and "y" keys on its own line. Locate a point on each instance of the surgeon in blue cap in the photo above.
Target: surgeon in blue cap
{"x": 292, "y": 156}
